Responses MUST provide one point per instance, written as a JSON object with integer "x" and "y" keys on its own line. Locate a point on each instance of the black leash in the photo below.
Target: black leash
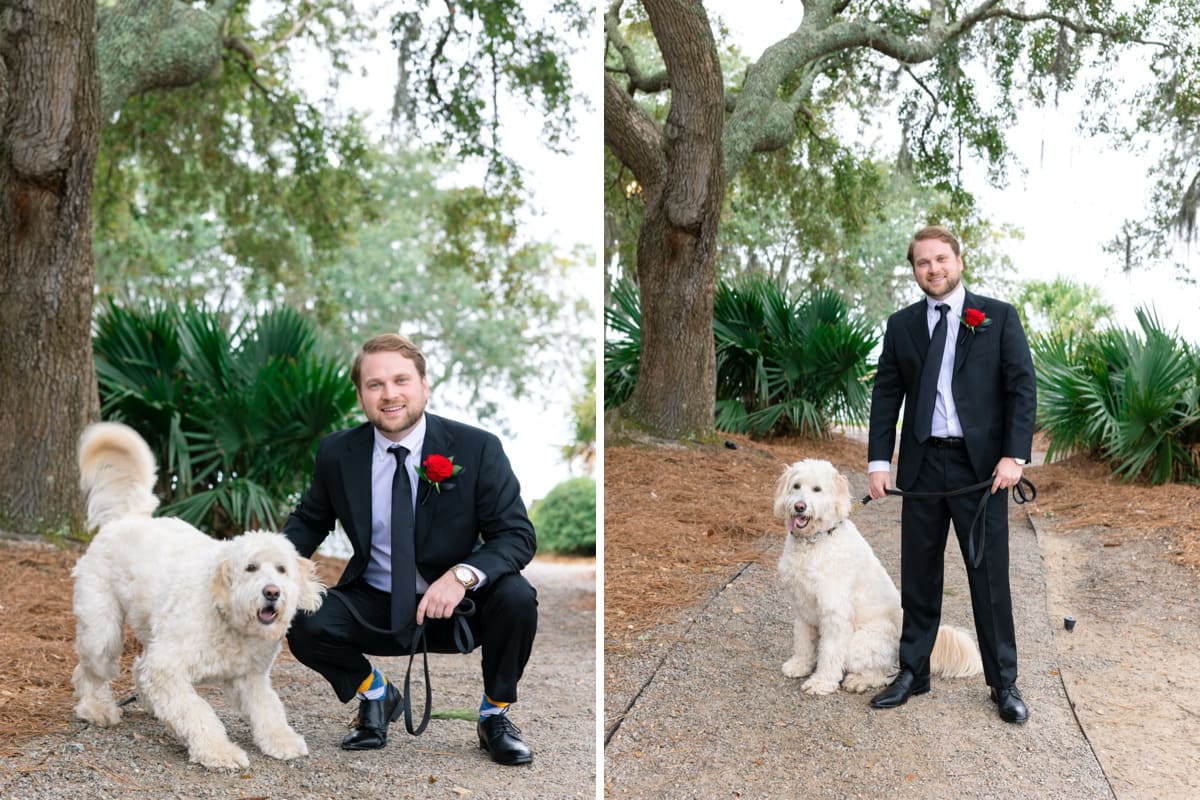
{"x": 464, "y": 642}
{"x": 1023, "y": 491}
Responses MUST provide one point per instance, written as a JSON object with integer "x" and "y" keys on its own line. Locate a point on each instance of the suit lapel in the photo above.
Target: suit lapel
{"x": 356, "y": 482}
{"x": 965, "y": 337}
{"x": 918, "y": 326}
{"x": 438, "y": 440}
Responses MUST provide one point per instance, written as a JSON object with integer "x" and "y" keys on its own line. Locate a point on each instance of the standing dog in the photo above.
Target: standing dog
{"x": 205, "y": 611}
{"x": 847, "y": 628}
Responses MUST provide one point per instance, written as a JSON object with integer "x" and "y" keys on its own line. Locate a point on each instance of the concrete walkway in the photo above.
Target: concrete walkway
{"x": 710, "y": 714}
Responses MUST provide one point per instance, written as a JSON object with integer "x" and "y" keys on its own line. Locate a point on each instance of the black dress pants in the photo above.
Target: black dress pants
{"x": 335, "y": 644}
{"x": 924, "y": 527}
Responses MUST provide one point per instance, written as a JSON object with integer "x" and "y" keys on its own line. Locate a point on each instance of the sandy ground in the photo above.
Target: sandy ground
{"x": 695, "y": 704}
{"x": 55, "y": 756}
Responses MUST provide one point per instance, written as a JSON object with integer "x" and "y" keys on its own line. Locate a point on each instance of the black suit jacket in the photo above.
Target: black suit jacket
{"x": 993, "y": 384}
{"x": 477, "y": 518}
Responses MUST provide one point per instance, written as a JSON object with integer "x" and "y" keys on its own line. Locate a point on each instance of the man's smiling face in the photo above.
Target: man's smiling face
{"x": 392, "y": 393}
{"x": 937, "y": 269}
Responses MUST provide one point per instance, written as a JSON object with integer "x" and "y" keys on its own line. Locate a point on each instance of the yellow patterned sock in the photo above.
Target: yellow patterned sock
{"x": 488, "y": 707}
{"x": 373, "y": 687}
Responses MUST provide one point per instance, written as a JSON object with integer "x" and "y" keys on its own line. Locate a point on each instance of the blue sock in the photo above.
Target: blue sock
{"x": 489, "y": 707}
{"x": 373, "y": 687}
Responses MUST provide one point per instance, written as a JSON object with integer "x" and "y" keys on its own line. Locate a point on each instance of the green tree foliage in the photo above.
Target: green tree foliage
{"x": 1061, "y": 307}
{"x": 582, "y": 448}
{"x": 565, "y": 519}
{"x": 954, "y": 72}
{"x": 457, "y": 69}
{"x": 232, "y": 411}
{"x": 1132, "y": 398}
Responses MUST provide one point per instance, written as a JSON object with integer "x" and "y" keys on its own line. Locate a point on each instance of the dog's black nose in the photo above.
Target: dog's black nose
{"x": 271, "y": 592}
{"x": 800, "y": 508}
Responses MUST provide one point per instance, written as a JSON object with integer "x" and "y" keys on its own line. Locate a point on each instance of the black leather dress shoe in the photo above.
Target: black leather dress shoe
{"x": 502, "y": 740}
{"x": 902, "y": 687}
{"x": 370, "y": 728}
{"x": 1012, "y": 707}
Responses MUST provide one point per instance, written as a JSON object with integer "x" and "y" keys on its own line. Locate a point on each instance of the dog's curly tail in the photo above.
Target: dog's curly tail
{"x": 117, "y": 472}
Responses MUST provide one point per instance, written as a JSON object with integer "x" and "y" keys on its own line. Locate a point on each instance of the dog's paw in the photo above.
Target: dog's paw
{"x": 97, "y": 712}
{"x": 820, "y": 684}
{"x": 796, "y": 667}
{"x": 859, "y": 682}
{"x": 285, "y": 745}
{"x": 221, "y": 755}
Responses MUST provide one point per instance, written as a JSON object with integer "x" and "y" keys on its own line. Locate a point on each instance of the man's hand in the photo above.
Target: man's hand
{"x": 878, "y": 483}
{"x": 441, "y": 598}
{"x": 1005, "y": 475}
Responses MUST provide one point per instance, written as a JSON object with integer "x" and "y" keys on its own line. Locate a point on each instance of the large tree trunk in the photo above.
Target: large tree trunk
{"x": 676, "y": 385}
{"x": 49, "y": 110}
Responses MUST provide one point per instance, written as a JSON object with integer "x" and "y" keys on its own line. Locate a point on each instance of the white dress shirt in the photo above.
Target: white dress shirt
{"x": 945, "y": 414}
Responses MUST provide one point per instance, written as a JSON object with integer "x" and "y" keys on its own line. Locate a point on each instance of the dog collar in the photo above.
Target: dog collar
{"x": 812, "y": 538}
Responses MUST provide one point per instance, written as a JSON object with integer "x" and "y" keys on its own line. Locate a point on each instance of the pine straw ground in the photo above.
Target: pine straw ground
{"x": 679, "y": 520}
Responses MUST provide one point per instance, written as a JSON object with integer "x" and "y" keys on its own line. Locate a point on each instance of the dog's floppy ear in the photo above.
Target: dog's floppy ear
{"x": 781, "y": 487}
{"x": 842, "y": 501}
{"x": 312, "y": 591}
{"x": 222, "y": 586}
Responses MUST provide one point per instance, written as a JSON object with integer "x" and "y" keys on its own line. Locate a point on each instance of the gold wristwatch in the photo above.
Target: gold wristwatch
{"x": 464, "y": 575}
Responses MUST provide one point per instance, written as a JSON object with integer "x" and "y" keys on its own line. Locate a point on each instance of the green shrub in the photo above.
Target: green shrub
{"x": 565, "y": 518}
{"x": 232, "y": 412}
{"x": 1133, "y": 400}
{"x": 784, "y": 364}
{"x": 788, "y": 364}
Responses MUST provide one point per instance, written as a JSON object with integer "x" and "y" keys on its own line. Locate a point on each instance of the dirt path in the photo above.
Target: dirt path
{"x": 697, "y": 708}
{"x": 138, "y": 759}
{"x": 1132, "y": 663}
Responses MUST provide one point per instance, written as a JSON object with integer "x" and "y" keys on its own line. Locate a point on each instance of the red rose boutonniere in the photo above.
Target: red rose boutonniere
{"x": 435, "y": 469}
{"x": 975, "y": 319}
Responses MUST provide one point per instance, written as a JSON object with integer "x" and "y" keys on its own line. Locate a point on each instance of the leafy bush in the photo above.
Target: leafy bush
{"x": 788, "y": 365}
{"x": 784, "y": 365}
{"x": 1131, "y": 399}
{"x": 565, "y": 518}
{"x": 232, "y": 413}
{"x": 622, "y": 343}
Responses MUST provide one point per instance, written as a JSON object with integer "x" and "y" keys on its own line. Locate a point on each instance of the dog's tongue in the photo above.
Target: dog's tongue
{"x": 266, "y": 615}
{"x": 796, "y": 521}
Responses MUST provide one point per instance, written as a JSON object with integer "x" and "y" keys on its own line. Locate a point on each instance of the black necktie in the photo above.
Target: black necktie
{"x": 404, "y": 556}
{"x": 927, "y": 394}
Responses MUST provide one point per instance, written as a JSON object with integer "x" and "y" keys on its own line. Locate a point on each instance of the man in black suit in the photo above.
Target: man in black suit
{"x": 433, "y": 506}
{"x": 961, "y": 366}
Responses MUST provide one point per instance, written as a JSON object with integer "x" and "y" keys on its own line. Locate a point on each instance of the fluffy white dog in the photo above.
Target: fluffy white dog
{"x": 847, "y": 628}
{"x": 205, "y": 611}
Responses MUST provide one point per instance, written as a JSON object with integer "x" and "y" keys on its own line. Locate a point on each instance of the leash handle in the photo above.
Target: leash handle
{"x": 1023, "y": 491}
{"x": 464, "y": 642}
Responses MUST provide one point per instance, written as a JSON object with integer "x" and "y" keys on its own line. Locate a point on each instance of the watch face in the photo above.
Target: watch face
{"x": 464, "y": 575}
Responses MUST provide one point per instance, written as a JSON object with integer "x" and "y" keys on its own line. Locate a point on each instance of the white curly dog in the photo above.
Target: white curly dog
{"x": 205, "y": 611}
{"x": 847, "y": 627}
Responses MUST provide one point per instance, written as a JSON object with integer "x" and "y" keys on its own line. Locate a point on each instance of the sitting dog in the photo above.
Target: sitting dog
{"x": 847, "y": 627}
{"x": 205, "y": 611}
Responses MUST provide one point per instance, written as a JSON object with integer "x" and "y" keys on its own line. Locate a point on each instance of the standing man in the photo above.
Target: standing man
{"x": 433, "y": 512}
{"x": 961, "y": 366}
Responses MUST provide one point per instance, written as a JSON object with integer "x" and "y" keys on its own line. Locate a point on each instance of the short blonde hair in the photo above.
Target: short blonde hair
{"x": 933, "y": 232}
{"x": 387, "y": 343}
